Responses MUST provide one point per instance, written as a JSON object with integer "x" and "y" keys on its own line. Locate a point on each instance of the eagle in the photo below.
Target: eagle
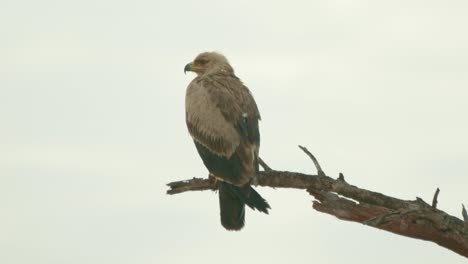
{"x": 222, "y": 118}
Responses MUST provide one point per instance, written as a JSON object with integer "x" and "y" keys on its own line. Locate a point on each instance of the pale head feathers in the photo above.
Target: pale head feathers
{"x": 211, "y": 62}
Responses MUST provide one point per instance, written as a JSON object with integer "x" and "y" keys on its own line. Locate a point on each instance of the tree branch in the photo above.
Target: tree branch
{"x": 195, "y": 184}
{"x": 434, "y": 200}
{"x": 263, "y": 164}
{"x": 312, "y": 157}
{"x": 415, "y": 219}
{"x": 465, "y": 215}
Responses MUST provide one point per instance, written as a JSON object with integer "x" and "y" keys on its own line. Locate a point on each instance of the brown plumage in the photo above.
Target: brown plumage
{"x": 222, "y": 118}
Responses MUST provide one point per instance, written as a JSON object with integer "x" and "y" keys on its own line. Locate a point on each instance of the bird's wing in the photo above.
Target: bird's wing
{"x": 204, "y": 105}
{"x": 222, "y": 118}
{"x": 236, "y": 103}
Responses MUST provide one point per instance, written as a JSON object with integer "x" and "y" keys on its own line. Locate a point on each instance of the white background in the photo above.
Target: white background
{"x": 92, "y": 125}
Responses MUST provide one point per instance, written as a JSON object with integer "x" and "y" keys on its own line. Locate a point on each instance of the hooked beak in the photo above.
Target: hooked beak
{"x": 188, "y": 67}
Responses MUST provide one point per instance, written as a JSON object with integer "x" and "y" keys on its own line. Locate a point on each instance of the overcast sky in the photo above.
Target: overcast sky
{"x": 92, "y": 125}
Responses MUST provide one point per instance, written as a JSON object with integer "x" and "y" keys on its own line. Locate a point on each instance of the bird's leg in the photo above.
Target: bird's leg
{"x": 213, "y": 179}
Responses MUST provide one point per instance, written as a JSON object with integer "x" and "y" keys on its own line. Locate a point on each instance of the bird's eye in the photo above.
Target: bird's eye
{"x": 201, "y": 62}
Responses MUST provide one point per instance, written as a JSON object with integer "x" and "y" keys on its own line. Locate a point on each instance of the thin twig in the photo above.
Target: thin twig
{"x": 341, "y": 177}
{"x": 316, "y": 163}
{"x": 465, "y": 215}
{"x": 264, "y": 165}
{"x": 434, "y": 200}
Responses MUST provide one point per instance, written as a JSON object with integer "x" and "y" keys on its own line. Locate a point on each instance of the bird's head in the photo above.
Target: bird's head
{"x": 209, "y": 62}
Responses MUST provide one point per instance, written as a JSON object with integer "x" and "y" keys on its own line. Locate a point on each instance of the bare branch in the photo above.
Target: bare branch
{"x": 316, "y": 163}
{"x": 341, "y": 177}
{"x": 465, "y": 215}
{"x": 410, "y": 218}
{"x": 264, "y": 165}
{"x": 195, "y": 184}
{"x": 434, "y": 200}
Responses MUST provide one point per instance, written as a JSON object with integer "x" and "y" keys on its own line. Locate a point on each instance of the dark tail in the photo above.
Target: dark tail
{"x": 232, "y": 201}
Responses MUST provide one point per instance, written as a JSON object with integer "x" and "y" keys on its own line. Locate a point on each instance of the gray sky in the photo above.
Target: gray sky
{"x": 92, "y": 125}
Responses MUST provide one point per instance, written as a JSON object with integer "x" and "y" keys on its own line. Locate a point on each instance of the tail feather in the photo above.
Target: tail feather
{"x": 232, "y": 201}
{"x": 232, "y": 209}
{"x": 256, "y": 201}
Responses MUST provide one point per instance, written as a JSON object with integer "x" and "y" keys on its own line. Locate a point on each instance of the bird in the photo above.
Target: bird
{"x": 222, "y": 118}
